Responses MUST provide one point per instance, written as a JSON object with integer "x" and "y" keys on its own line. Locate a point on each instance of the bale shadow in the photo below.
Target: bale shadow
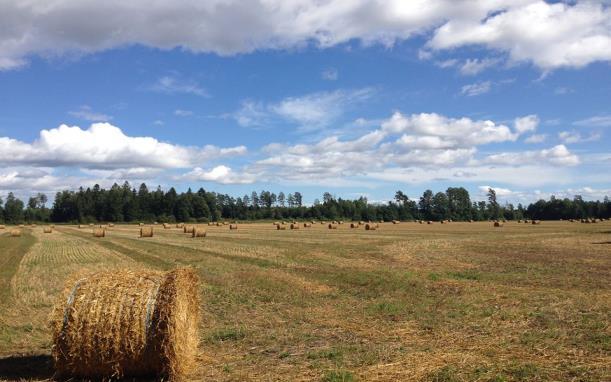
{"x": 20, "y": 367}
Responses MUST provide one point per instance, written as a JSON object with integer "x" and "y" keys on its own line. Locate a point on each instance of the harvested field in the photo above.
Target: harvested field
{"x": 407, "y": 302}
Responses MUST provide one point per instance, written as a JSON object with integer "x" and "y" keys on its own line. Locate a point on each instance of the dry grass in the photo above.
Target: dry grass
{"x": 452, "y": 302}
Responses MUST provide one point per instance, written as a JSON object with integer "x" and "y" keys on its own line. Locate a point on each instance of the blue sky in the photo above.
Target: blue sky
{"x": 356, "y": 99}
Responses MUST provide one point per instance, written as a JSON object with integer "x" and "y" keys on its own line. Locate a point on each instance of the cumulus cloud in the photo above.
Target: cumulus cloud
{"x": 557, "y": 155}
{"x": 536, "y": 138}
{"x": 526, "y": 124}
{"x": 219, "y": 174}
{"x": 550, "y": 35}
{"x": 576, "y": 137}
{"x": 105, "y": 146}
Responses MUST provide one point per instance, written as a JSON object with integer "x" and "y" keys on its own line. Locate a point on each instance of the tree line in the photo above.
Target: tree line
{"x": 123, "y": 203}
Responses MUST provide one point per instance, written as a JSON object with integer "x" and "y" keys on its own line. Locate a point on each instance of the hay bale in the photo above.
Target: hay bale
{"x": 224, "y": 223}
{"x": 443, "y": 222}
{"x": 294, "y": 226}
{"x": 146, "y": 232}
{"x": 115, "y": 324}
{"x": 21, "y": 226}
{"x": 80, "y": 226}
{"x": 354, "y": 225}
{"x": 276, "y": 223}
{"x": 233, "y": 226}
{"x": 281, "y": 227}
{"x": 371, "y": 226}
{"x": 47, "y": 230}
{"x": 361, "y": 222}
{"x": 166, "y": 226}
{"x": 180, "y": 225}
{"x": 420, "y": 222}
{"x": 111, "y": 225}
{"x": 395, "y": 222}
{"x": 498, "y": 224}
{"x": 219, "y": 224}
{"x": 2, "y": 226}
{"x": 91, "y": 224}
{"x": 15, "y": 232}
{"x": 312, "y": 222}
{"x": 198, "y": 232}
{"x": 470, "y": 220}
{"x": 99, "y": 232}
{"x": 141, "y": 224}
{"x": 429, "y": 222}
{"x": 536, "y": 222}
{"x": 307, "y": 225}
{"x": 332, "y": 226}
{"x": 188, "y": 229}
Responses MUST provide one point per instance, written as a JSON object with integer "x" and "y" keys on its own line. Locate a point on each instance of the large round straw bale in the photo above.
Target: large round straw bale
{"x": 429, "y": 222}
{"x": 21, "y": 226}
{"x": 307, "y": 225}
{"x": 312, "y": 222}
{"x": 47, "y": 230}
{"x": 281, "y": 227}
{"x": 111, "y": 224}
{"x": 99, "y": 232}
{"x": 371, "y": 226}
{"x": 188, "y": 229}
{"x": 354, "y": 225}
{"x": 233, "y": 226}
{"x": 127, "y": 324}
{"x": 536, "y": 222}
{"x": 276, "y": 223}
{"x": 199, "y": 232}
{"x": 166, "y": 226}
{"x": 443, "y": 222}
{"x": 81, "y": 226}
{"x": 146, "y": 232}
{"x": 218, "y": 224}
{"x": 180, "y": 225}
{"x": 2, "y": 226}
{"x": 15, "y": 232}
{"x": 332, "y": 226}
{"x": 224, "y": 223}
{"x": 395, "y": 222}
{"x": 294, "y": 226}
{"x": 498, "y": 224}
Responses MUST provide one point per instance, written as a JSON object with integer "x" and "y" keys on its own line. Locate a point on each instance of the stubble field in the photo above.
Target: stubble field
{"x": 451, "y": 302}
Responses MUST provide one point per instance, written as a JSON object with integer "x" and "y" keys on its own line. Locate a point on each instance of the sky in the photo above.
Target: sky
{"x": 356, "y": 98}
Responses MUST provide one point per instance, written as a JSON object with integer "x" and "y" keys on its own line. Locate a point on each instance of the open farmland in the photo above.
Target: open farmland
{"x": 451, "y": 302}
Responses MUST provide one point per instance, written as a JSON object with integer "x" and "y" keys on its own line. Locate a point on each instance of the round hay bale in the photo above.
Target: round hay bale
{"x": 536, "y": 222}
{"x": 294, "y": 226}
{"x": 224, "y": 223}
{"x": 99, "y": 232}
{"x": 146, "y": 232}
{"x": 361, "y": 222}
{"x": 420, "y": 222}
{"x": 371, "y": 226}
{"x": 166, "y": 226}
{"x": 91, "y": 224}
{"x": 276, "y": 223}
{"x": 307, "y": 225}
{"x": 188, "y": 229}
{"x": 80, "y": 226}
{"x": 354, "y": 225}
{"x": 180, "y": 225}
{"x": 312, "y": 222}
{"x": 141, "y": 224}
{"x": 47, "y": 230}
{"x": 429, "y": 222}
{"x": 332, "y": 226}
{"x": 21, "y": 226}
{"x": 15, "y": 233}
{"x": 281, "y": 227}
{"x": 127, "y": 324}
{"x": 470, "y": 220}
{"x": 498, "y": 224}
{"x": 199, "y": 232}
{"x": 443, "y": 222}
{"x": 219, "y": 224}
{"x": 395, "y": 222}
{"x": 2, "y": 226}
{"x": 111, "y": 225}
{"x": 233, "y": 226}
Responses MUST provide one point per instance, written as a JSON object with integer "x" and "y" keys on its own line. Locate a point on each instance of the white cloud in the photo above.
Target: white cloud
{"x": 86, "y": 113}
{"x": 596, "y": 121}
{"x": 219, "y": 174}
{"x": 526, "y": 124}
{"x": 549, "y": 35}
{"x": 476, "y": 89}
{"x": 558, "y": 155}
{"x": 176, "y": 85}
{"x": 474, "y": 66}
{"x": 576, "y": 137}
{"x": 105, "y": 146}
{"x": 183, "y": 113}
{"x": 158, "y": 122}
{"x": 311, "y": 111}
{"x": 330, "y": 74}
{"x": 536, "y": 138}
{"x": 500, "y": 192}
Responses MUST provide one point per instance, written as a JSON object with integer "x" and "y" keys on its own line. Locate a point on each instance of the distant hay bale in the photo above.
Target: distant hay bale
{"x": 323, "y": 222}
{"x": 470, "y": 220}
{"x": 2, "y": 226}
{"x": 371, "y": 226}
{"x": 140, "y": 224}
{"x": 443, "y": 222}
{"x": 224, "y": 223}
{"x": 198, "y": 232}
{"x": 146, "y": 232}
{"x": 188, "y": 229}
{"x": 91, "y": 224}
{"x": 498, "y": 224}
{"x": 116, "y": 324}
{"x": 354, "y": 225}
{"x": 395, "y": 222}
{"x": 15, "y": 232}
{"x": 294, "y": 226}
{"x": 180, "y": 225}
{"x": 155, "y": 223}
{"x": 420, "y": 222}
{"x": 520, "y": 221}
{"x": 233, "y": 226}
{"x": 111, "y": 225}
{"x": 47, "y": 230}
{"x": 276, "y": 223}
{"x": 429, "y": 222}
{"x": 80, "y": 226}
{"x": 21, "y": 226}
{"x": 219, "y": 224}
{"x": 340, "y": 222}
{"x": 281, "y": 227}
{"x": 332, "y": 226}
{"x": 283, "y": 223}
{"x": 536, "y": 222}
{"x": 307, "y": 225}
{"x": 312, "y": 222}
{"x": 166, "y": 226}
{"x": 99, "y": 232}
